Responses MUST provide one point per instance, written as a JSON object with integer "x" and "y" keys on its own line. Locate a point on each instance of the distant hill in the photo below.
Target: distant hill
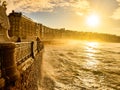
{"x": 92, "y": 36}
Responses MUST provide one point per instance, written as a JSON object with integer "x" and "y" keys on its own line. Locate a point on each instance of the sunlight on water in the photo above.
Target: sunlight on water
{"x": 91, "y": 64}
{"x": 91, "y": 47}
{"x": 91, "y": 61}
{"x": 92, "y": 44}
{"x": 82, "y": 65}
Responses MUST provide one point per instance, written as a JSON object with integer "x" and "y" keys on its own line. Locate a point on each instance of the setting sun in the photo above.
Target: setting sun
{"x": 93, "y": 20}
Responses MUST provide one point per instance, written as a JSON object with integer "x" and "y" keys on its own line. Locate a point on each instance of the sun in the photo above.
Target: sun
{"x": 93, "y": 20}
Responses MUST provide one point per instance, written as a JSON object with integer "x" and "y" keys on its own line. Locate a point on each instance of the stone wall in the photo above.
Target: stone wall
{"x": 31, "y": 77}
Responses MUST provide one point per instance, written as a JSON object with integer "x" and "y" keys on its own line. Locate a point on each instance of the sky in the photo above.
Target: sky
{"x": 71, "y": 14}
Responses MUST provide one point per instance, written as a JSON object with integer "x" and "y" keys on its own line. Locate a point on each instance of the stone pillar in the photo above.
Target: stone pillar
{"x": 9, "y": 67}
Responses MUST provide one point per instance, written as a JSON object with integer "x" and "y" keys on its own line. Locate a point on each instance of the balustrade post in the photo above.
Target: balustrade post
{"x": 9, "y": 67}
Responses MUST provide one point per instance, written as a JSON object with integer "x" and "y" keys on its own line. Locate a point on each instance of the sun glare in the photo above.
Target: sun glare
{"x": 93, "y": 20}
{"x": 93, "y": 44}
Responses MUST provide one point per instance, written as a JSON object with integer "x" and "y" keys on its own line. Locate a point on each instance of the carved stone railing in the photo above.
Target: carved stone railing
{"x": 16, "y": 58}
{"x": 22, "y": 51}
{"x": 24, "y": 54}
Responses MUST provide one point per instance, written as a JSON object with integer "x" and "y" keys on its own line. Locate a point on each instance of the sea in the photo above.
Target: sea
{"x": 81, "y": 65}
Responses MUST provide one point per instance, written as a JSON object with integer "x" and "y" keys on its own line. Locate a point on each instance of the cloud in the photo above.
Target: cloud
{"x": 29, "y": 5}
{"x": 82, "y": 7}
{"x": 46, "y": 5}
{"x": 118, "y": 0}
{"x": 116, "y": 13}
{"x": 79, "y": 13}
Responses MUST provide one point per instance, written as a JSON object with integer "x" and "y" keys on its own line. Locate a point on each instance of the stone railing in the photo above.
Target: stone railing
{"x": 23, "y": 51}
{"x": 24, "y": 54}
{"x": 15, "y": 58}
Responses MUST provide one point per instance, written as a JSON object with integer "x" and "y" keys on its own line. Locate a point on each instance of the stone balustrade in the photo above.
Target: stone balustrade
{"x": 15, "y": 58}
{"x": 22, "y": 51}
{"x": 24, "y": 54}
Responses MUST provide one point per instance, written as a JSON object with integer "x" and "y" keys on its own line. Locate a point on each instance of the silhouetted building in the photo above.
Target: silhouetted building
{"x": 22, "y": 26}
